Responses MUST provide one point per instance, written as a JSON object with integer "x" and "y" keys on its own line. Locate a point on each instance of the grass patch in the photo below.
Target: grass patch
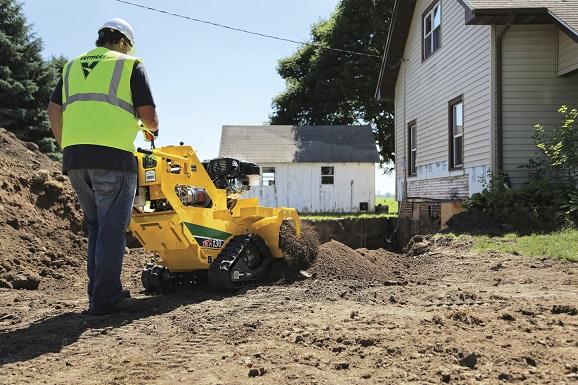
{"x": 391, "y": 202}
{"x": 333, "y": 216}
{"x": 562, "y": 244}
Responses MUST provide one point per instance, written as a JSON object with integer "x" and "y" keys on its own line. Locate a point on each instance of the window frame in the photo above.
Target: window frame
{"x": 411, "y": 167}
{"x": 452, "y": 136}
{"x": 430, "y": 11}
{"x": 268, "y": 172}
{"x": 332, "y": 175}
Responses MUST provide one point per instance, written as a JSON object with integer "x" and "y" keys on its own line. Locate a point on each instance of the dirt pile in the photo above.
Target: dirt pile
{"x": 337, "y": 261}
{"x": 299, "y": 252}
{"x": 380, "y": 257}
{"x": 41, "y": 235}
{"x": 418, "y": 245}
{"x": 474, "y": 222}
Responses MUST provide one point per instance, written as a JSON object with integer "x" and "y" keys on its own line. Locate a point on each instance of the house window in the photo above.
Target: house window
{"x": 327, "y": 174}
{"x": 412, "y": 147}
{"x": 432, "y": 24}
{"x": 456, "y": 133}
{"x": 268, "y": 176}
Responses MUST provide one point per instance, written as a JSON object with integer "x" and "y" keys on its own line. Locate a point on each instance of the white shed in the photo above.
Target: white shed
{"x": 315, "y": 169}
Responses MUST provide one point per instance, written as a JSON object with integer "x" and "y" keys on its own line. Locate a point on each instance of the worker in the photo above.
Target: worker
{"x": 98, "y": 107}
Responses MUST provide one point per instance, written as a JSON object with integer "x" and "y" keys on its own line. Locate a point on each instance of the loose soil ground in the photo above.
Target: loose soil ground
{"x": 440, "y": 313}
{"x": 397, "y": 320}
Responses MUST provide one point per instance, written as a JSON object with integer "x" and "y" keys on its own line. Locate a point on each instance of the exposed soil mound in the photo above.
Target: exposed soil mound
{"x": 379, "y": 257}
{"x": 338, "y": 261}
{"x": 299, "y": 252}
{"x": 41, "y": 234}
{"x": 474, "y": 222}
{"x": 418, "y": 245}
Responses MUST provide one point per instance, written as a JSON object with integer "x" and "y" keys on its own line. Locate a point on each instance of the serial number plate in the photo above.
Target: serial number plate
{"x": 150, "y": 176}
{"x": 210, "y": 243}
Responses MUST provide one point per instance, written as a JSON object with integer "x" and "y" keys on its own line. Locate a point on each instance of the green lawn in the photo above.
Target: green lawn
{"x": 562, "y": 244}
{"x": 332, "y": 216}
{"x": 391, "y": 202}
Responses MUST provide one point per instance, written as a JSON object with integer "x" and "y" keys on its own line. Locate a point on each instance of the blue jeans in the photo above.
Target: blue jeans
{"x": 106, "y": 198}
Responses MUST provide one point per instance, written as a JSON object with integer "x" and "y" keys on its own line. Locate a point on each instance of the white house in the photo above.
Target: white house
{"x": 470, "y": 79}
{"x": 311, "y": 168}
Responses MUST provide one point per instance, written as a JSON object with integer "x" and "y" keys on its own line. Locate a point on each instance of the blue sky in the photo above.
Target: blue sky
{"x": 202, "y": 77}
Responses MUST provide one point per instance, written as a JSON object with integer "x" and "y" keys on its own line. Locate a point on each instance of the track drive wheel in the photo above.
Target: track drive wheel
{"x": 152, "y": 277}
{"x": 245, "y": 260}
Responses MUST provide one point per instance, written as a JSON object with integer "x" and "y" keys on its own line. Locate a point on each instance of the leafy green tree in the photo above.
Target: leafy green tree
{"x": 26, "y": 80}
{"x": 332, "y": 87}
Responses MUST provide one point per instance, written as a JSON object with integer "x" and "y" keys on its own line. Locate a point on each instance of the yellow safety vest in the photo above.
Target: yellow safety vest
{"x": 97, "y": 100}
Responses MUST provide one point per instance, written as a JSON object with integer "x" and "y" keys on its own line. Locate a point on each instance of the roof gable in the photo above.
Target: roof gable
{"x": 302, "y": 144}
{"x": 563, "y": 13}
{"x": 395, "y": 47}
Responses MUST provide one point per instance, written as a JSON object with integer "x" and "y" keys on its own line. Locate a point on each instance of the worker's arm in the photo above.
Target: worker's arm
{"x": 55, "y": 117}
{"x": 143, "y": 99}
{"x": 148, "y": 115}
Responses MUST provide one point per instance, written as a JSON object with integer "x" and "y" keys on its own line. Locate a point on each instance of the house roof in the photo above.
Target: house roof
{"x": 288, "y": 144}
{"x": 395, "y": 47}
{"x": 563, "y": 13}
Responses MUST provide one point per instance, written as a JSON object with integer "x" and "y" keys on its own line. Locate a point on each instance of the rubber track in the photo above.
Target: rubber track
{"x": 219, "y": 271}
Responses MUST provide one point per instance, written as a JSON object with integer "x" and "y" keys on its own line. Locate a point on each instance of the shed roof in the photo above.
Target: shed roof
{"x": 302, "y": 144}
{"x": 563, "y": 13}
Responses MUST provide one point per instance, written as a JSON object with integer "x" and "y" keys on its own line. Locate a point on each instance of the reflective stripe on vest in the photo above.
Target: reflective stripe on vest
{"x": 109, "y": 98}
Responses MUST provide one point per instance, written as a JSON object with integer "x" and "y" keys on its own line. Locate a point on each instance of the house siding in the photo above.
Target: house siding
{"x": 532, "y": 92}
{"x": 462, "y": 66}
{"x": 567, "y": 54}
{"x": 298, "y": 185}
{"x": 455, "y": 187}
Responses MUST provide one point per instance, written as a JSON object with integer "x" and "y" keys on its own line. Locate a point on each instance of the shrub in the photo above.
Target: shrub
{"x": 549, "y": 201}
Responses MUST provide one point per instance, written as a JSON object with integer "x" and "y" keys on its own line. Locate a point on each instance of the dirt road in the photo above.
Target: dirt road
{"x": 446, "y": 316}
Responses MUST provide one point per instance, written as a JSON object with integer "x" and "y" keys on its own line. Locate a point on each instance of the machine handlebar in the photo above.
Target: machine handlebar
{"x": 144, "y": 151}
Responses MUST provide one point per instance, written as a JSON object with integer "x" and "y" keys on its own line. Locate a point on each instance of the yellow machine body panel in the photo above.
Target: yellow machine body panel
{"x": 188, "y": 238}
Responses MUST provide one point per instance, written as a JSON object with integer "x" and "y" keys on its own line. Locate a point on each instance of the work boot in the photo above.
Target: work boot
{"x": 125, "y": 305}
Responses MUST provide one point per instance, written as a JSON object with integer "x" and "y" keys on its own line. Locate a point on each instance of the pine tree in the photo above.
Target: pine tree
{"x": 330, "y": 87}
{"x": 26, "y": 80}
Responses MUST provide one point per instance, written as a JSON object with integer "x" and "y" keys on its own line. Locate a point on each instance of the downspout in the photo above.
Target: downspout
{"x": 499, "y": 97}
{"x": 351, "y": 198}
{"x": 404, "y": 128}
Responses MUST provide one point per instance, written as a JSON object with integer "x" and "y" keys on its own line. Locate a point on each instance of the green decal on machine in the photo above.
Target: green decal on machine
{"x": 207, "y": 237}
{"x": 207, "y": 232}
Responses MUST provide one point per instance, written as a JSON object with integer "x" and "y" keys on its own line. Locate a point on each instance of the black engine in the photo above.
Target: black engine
{"x": 231, "y": 174}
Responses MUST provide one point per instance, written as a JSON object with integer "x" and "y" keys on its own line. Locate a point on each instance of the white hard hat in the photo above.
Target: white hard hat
{"x": 121, "y": 26}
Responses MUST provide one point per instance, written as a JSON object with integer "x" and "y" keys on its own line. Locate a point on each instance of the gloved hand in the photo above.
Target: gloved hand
{"x": 149, "y": 136}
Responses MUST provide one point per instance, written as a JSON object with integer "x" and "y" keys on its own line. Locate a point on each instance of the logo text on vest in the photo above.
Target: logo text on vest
{"x": 87, "y": 67}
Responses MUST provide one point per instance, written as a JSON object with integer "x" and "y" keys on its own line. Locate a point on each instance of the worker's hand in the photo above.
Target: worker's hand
{"x": 149, "y": 136}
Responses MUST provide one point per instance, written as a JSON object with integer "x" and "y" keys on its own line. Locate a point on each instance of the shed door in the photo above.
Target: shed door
{"x": 327, "y": 189}
{"x": 297, "y": 189}
{"x": 269, "y": 189}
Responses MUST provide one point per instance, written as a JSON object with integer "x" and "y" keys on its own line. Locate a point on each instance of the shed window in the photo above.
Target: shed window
{"x": 327, "y": 174}
{"x": 432, "y": 26}
{"x": 456, "y": 133}
{"x": 412, "y": 147}
{"x": 268, "y": 176}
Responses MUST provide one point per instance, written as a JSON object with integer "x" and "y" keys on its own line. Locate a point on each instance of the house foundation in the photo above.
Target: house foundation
{"x": 424, "y": 217}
